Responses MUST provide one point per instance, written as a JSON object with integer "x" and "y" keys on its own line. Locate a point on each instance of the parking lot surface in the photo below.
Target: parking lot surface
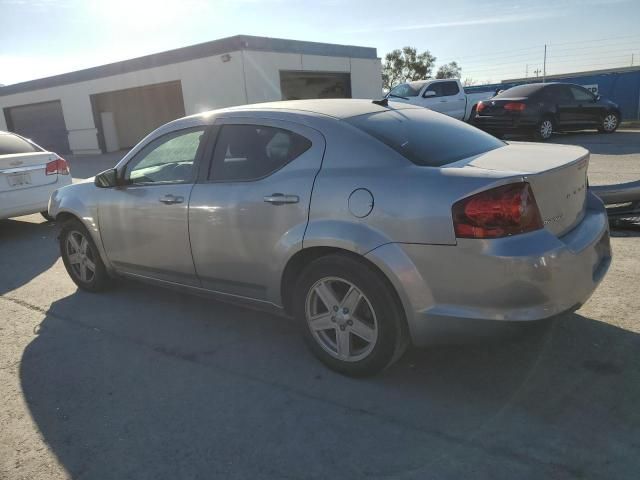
{"x": 141, "y": 382}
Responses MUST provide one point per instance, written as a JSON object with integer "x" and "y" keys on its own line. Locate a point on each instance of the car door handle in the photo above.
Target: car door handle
{"x": 281, "y": 199}
{"x": 171, "y": 199}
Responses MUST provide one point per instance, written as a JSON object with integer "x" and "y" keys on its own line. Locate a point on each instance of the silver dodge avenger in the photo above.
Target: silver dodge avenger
{"x": 374, "y": 224}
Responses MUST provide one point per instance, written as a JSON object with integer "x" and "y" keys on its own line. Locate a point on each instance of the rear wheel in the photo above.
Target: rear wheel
{"x": 544, "y": 129}
{"x": 609, "y": 123}
{"x": 81, "y": 258}
{"x": 350, "y": 317}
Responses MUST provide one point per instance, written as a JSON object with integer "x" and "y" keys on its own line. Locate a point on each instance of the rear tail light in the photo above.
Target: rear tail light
{"x": 481, "y": 106}
{"x": 515, "y": 106}
{"x": 57, "y": 167}
{"x": 499, "y": 212}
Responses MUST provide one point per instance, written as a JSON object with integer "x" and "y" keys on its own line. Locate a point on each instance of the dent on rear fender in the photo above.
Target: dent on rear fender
{"x": 358, "y": 238}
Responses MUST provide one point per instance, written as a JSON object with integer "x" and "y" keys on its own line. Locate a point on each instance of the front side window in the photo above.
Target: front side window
{"x": 436, "y": 88}
{"x": 167, "y": 159}
{"x": 581, "y": 95}
{"x": 250, "y": 152}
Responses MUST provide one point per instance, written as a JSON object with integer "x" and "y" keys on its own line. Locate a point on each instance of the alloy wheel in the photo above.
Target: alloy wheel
{"x": 80, "y": 256}
{"x": 341, "y": 319}
{"x": 610, "y": 122}
{"x": 546, "y": 129}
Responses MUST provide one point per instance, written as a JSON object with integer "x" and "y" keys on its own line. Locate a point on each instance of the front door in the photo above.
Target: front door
{"x": 587, "y": 110}
{"x": 444, "y": 97}
{"x": 253, "y": 206}
{"x": 566, "y": 107}
{"x": 144, "y": 224}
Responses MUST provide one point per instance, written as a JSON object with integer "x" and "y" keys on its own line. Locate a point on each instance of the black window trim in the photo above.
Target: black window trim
{"x": 442, "y": 82}
{"x": 202, "y": 148}
{"x": 235, "y": 121}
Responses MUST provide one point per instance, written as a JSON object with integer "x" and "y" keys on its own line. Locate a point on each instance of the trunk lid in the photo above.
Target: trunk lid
{"x": 557, "y": 175}
{"x": 25, "y": 170}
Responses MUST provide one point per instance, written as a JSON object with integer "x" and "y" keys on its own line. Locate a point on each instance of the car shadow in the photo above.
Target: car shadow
{"x": 30, "y": 244}
{"x": 140, "y": 383}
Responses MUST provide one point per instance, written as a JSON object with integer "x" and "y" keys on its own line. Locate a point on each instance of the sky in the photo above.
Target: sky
{"x": 491, "y": 40}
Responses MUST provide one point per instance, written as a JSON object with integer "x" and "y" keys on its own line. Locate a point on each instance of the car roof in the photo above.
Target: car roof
{"x": 339, "y": 108}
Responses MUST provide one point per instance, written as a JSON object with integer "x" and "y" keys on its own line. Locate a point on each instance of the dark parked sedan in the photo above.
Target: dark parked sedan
{"x": 542, "y": 108}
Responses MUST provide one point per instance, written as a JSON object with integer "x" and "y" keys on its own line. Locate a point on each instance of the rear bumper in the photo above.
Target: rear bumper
{"x": 14, "y": 203}
{"x": 504, "y": 123}
{"x": 479, "y": 286}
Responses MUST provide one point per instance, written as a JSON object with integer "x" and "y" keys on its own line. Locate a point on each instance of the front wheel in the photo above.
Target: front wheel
{"x": 544, "y": 129}
{"x": 610, "y": 123}
{"x": 81, "y": 258}
{"x": 350, "y": 317}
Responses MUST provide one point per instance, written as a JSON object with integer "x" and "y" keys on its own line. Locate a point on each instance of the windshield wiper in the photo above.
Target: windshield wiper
{"x": 397, "y": 96}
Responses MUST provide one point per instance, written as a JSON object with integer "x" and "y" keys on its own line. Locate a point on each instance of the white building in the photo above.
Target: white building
{"x": 111, "y": 107}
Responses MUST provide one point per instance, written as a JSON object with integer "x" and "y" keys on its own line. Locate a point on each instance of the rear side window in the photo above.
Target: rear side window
{"x": 10, "y": 144}
{"x": 250, "y": 152}
{"x": 444, "y": 89}
{"x": 424, "y": 137}
{"x": 520, "y": 91}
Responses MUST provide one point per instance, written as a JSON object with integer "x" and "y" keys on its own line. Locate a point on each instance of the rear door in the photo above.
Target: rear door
{"x": 445, "y": 97}
{"x": 253, "y": 205}
{"x": 567, "y": 113}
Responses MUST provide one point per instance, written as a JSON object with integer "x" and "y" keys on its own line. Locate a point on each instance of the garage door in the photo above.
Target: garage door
{"x": 302, "y": 85}
{"x": 124, "y": 117}
{"x": 41, "y": 122}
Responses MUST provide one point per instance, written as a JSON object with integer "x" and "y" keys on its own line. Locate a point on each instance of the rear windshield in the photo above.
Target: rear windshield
{"x": 520, "y": 91}
{"x": 424, "y": 137}
{"x": 10, "y": 144}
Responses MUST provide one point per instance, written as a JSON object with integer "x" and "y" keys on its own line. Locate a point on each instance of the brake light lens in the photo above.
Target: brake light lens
{"x": 499, "y": 212}
{"x": 515, "y": 106}
{"x": 481, "y": 106}
{"x": 57, "y": 167}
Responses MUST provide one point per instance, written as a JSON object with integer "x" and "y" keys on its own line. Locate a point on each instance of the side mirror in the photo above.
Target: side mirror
{"x": 429, "y": 93}
{"x": 107, "y": 179}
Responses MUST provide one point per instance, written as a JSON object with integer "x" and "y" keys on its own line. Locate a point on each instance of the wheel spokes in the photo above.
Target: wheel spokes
{"x": 351, "y": 300}
{"x": 75, "y": 258}
{"x": 362, "y": 330}
{"x": 343, "y": 343}
{"x": 326, "y": 295}
{"x": 322, "y": 321}
{"x": 74, "y": 243}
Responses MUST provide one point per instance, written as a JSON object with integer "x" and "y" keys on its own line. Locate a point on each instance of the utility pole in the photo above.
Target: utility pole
{"x": 544, "y": 65}
{"x": 537, "y": 72}
{"x": 632, "y": 59}
{"x": 526, "y": 70}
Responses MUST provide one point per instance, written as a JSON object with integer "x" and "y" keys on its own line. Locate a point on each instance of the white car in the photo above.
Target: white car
{"x": 28, "y": 176}
{"x": 444, "y": 96}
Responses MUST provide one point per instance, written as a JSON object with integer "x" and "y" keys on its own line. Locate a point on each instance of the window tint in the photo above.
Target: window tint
{"x": 581, "y": 95}
{"x": 520, "y": 91}
{"x": 561, "y": 93}
{"x": 443, "y": 89}
{"x": 407, "y": 89}
{"x": 249, "y": 152}
{"x": 424, "y": 137}
{"x": 10, "y": 144}
{"x": 167, "y": 159}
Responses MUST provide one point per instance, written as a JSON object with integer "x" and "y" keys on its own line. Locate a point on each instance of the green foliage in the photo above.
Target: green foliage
{"x": 406, "y": 65}
{"x": 449, "y": 70}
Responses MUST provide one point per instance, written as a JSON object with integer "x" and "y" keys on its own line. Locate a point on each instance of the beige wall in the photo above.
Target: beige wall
{"x": 207, "y": 83}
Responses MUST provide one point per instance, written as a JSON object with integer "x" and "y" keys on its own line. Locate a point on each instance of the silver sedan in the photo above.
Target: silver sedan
{"x": 374, "y": 224}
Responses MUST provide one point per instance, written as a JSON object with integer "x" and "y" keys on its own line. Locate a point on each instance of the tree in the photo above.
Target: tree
{"x": 406, "y": 65}
{"x": 469, "y": 81}
{"x": 449, "y": 70}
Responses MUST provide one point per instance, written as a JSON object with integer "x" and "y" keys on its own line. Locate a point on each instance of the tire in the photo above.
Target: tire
{"x": 545, "y": 129}
{"x": 338, "y": 279}
{"x": 47, "y": 217}
{"x": 609, "y": 123}
{"x": 80, "y": 254}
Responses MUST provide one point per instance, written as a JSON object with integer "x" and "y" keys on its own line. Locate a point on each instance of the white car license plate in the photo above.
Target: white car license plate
{"x": 19, "y": 179}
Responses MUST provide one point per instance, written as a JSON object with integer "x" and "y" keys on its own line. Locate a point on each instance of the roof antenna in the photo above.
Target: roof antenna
{"x": 383, "y": 102}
